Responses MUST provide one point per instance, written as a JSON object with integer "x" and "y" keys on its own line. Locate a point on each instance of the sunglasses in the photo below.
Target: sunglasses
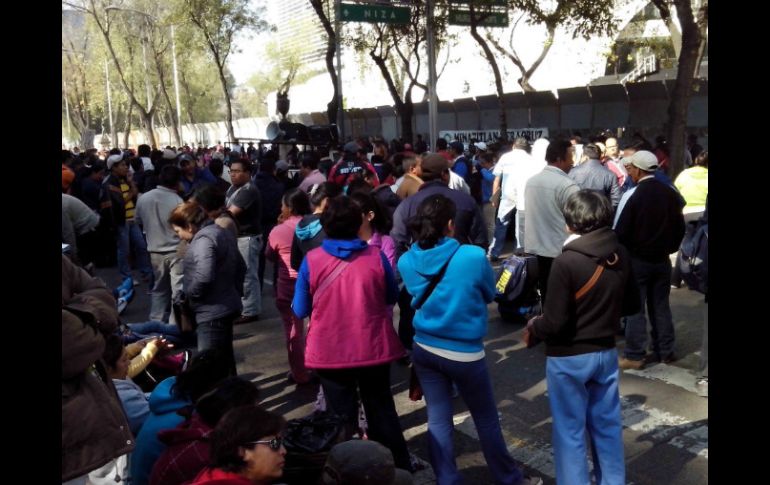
{"x": 274, "y": 444}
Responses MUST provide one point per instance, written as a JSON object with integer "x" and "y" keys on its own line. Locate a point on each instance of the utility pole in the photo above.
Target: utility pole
{"x": 67, "y": 109}
{"x": 433, "y": 97}
{"x": 113, "y": 131}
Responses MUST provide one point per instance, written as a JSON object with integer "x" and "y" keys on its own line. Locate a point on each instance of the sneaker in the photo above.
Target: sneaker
{"x": 670, "y": 358}
{"x": 246, "y": 319}
{"x": 530, "y": 480}
{"x": 625, "y": 364}
{"x": 122, "y": 304}
{"x": 494, "y": 259}
{"x": 702, "y": 386}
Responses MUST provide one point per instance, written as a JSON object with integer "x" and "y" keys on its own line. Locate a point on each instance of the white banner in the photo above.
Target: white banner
{"x": 489, "y": 136}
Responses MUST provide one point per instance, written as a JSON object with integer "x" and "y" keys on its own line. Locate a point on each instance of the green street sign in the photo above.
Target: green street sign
{"x": 373, "y": 13}
{"x": 490, "y": 19}
{"x": 481, "y": 2}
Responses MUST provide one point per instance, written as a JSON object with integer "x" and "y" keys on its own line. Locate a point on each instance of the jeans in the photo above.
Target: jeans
{"x": 501, "y": 230}
{"x": 168, "y": 271}
{"x": 405, "y": 319}
{"x": 703, "y": 367}
{"x": 654, "y": 288}
{"x": 249, "y": 247}
{"x": 129, "y": 235}
{"x": 152, "y": 328}
{"x": 218, "y": 334}
{"x": 489, "y": 212}
{"x": 436, "y": 376}
{"x": 584, "y": 398}
{"x": 343, "y": 386}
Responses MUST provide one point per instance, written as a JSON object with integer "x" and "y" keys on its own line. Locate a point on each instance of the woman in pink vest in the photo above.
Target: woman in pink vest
{"x": 346, "y": 287}
{"x": 295, "y": 204}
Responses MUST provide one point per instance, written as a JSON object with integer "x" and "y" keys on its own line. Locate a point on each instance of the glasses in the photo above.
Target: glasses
{"x": 274, "y": 444}
{"x": 236, "y": 171}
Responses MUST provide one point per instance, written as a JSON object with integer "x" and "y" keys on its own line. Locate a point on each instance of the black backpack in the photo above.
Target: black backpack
{"x": 693, "y": 257}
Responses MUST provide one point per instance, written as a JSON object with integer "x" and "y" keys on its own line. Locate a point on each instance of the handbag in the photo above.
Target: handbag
{"x": 184, "y": 314}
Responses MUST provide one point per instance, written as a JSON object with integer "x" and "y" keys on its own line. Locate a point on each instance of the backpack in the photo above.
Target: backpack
{"x": 693, "y": 257}
{"x": 511, "y": 278}
{"x": 474, "y": 182}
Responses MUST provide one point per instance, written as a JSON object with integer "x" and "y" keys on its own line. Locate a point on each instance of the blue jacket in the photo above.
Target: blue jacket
{"x": 454, "y": 317}
{"x": 163, "y": 407}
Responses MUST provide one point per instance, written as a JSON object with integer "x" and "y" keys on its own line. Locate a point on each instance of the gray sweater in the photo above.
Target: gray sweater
{"x": 213, "y": 273}
{"x": 152, "y": 211}
{"x": 592, "y": 175}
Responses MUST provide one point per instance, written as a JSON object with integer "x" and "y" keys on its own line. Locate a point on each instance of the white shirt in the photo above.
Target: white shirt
{"x": 458, "y": 183}
{"x": 515, "y": 168}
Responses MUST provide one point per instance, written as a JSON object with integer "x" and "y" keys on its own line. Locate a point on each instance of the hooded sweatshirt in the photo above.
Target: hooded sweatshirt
{"x": 454, "y": 317}
{"x": 217, "y": 476}
{"x": 574, "y": 327}
{"x": 164, "y": 405}
{"x": 187, "y": 454}
{"x": 307, "y": 235}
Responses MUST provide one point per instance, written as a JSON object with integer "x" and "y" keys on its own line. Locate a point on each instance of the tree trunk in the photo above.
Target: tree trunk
{"x": 404, "y": 107}
{"x": 692, "y": 34}
{"x": 175, "y": 133}
{"x": 496, "y": 70}
{"x": 228, "y": 104}
{"x": 127, "y": 130}
{"x": 149, "y": 132}
{"x": 332, "y": 107}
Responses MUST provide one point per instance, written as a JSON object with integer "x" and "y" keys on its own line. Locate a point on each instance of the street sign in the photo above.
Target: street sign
{"x": 482, "y": 2}
{"x": 374, "y": 13}
{"x": 490, "y": 19}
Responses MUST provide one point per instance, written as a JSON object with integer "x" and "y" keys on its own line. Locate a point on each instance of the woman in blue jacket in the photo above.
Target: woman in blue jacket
{"x": 449, "y": 331}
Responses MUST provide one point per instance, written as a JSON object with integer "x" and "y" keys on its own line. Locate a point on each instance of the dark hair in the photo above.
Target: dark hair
{"x": 323, "y": 191}
{"x": 205, "y": 371}
{"x": 113, "y": 350}
{"x": 188, "y": 214}
{"x": 247, "y": 166}
{"x": 144, "y": 150}
{"x": 557, "y": 150}
{"x": 359, "y": 184}
{"x": 216, "y": 167}
{"x": 136, "y": 164}
{"x": 382, "y": 222}
{"x": 487, "y": 157}
{"x": 586, "y": 211}
{"x": 116, "y": 151}
{"x": 228, "y": 394}
{"x": 428, "y": 224}
{"x": 702, "y": 159}
{"x": 267, "y": 166}
{"x": 309, "y": 160}
{"x": 210, "y": 197}
{"x": 169, "y": 176}
{"x": 297, "y": 201}
{"x": 441, "y": 144}
{"x": 592, "y": 151}
{"x": 236, "y": 428}
{"x": 341, "y": 218}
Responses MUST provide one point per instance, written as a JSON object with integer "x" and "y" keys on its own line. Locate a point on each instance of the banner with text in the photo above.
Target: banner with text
{"x": 489, "y": 136}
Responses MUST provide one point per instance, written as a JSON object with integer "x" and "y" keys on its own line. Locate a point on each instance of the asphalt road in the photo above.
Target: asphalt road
{"x": 665, "y": 421}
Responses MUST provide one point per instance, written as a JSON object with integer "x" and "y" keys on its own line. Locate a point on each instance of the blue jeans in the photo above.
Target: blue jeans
{"x": 584, "y": 398}
{"x": 654, "y": 280}
{"x": 436, "y": 376}
{"x": 501, "y": 230}
{"x": 129, "y": 235}
{"x": 154, "y": 328}
{"x": 249, "y": 247}
{"x": 218, "y": 334}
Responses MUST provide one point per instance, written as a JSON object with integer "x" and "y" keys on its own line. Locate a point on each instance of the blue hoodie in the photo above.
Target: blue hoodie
{"x": 163, "y": 406}
{"x": 339, "y": 248}
{"x": 454, "y": 317}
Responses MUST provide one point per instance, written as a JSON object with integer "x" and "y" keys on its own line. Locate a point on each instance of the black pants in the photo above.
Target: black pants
{"x": 342, "y": 388}
{"x": 405, "y": 326}
{"x": 543, "y": 270}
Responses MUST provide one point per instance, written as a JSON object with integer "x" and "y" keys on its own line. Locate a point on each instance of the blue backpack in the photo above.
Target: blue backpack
{"x": 693, "y": 257}
{"x": 511, "y": 279}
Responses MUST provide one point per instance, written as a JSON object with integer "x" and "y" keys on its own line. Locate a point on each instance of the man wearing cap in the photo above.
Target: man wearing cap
{"x": 461, "y": 165}
{"x": 592, "y": 175}
{"x": 244, "y": 202}
{"x": 468, "y": 221}
{"x": 351, "y": 165}
{"x": 650, "y": 226}
{"x": 152, "y": 212}
{"x": 193, "y": 176}
{"x": 512, "y": 172}
{"x": 546, "y": 193}
{"x": 120, "y": 196}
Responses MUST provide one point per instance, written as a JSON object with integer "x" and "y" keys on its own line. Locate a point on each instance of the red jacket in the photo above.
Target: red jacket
{"x": 187, "y": 453}
{"x": 216, "y": 476}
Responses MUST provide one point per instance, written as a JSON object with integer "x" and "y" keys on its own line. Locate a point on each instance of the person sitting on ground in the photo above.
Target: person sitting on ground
{"x": 246, "y": 449}
{"x": 362, "y": 461}
{"x": 189, "y": 444}
{"x": 171, "y": 396}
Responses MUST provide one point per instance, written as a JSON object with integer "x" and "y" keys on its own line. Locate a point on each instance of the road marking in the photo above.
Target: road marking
{"x": 670, "y": 374}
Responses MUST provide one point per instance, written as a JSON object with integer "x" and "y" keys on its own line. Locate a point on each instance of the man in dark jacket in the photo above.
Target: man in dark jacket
{"x": 271, "y": 192}
{"x": 592, "y": 175}
{"x": 94, "y": 426}
{"x": 651, "y": 226}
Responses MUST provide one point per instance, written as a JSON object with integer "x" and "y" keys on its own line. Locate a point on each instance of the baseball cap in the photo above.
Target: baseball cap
{"x": 434, "y": 164}
{"x": 457, "y": 146}
{"x": 351, "y": 147}
{"x": 281, "y": 165}
{"x": 362, "y": 462}
{"x": 112, "y": 160}
{"x": 169, "y": 154}
{"x": 643, "y": 160}
{"x": 481, "y": 145}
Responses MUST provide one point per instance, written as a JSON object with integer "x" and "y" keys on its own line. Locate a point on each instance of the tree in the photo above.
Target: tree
{"x": 694, "y": 25}
{"x": 321, "y": 7}
{"x": 219, "y": 21}
{"x": 581, "y": 17}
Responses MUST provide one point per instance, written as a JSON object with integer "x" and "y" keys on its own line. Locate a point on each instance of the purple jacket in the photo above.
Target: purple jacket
{"x": 385, "y": 244}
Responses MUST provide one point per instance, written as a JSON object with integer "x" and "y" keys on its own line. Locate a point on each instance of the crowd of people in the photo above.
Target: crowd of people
{"x": 351, "y": 232}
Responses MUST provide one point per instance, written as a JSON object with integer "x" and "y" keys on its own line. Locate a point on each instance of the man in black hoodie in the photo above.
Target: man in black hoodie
{"x": 590, "y": 286}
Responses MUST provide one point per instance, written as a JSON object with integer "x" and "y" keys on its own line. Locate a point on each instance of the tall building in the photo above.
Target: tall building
{"x": 298, "y": 27}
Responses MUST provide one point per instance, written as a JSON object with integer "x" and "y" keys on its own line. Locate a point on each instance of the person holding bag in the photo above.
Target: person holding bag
{"x": 452, "y": 285}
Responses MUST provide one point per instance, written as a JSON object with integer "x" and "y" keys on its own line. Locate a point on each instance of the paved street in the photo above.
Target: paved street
{"x": 665, "y": 421}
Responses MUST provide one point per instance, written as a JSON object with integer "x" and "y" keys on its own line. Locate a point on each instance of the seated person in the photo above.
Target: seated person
{"x": 188, "y": 444}
{"x": 246, "y": 448}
